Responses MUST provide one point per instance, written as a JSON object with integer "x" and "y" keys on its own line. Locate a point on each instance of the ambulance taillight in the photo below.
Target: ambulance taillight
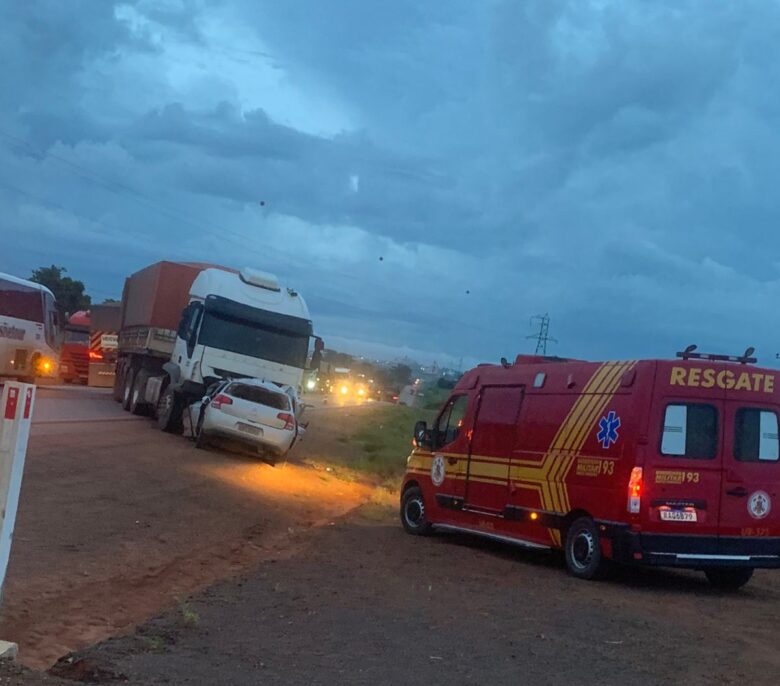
{"x": 635, "y": 490}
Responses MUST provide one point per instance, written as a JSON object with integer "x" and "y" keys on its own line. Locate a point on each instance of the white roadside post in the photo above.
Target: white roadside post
{"x": 16, "y": 409}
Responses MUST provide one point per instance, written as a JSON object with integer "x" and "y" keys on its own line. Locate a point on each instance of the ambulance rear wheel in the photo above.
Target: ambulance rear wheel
{"x": 413, "y": 513}
{"x": 728, "y": 579}
{"x": 583, "y": 550}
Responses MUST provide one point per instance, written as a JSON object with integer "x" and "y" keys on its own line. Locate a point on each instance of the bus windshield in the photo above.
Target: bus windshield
{"x": 20, "y": 301}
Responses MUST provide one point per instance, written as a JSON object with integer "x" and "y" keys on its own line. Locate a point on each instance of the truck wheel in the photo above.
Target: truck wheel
{"x": 127, "y": 389}
{"x": 169, "y": 411}
{"x": 137, "y": 403}
{"x": 119, "y": 380}
{"x": 413, "y": 513}
{"x": 728, "y": 578}
{"x": 583, "y": 550}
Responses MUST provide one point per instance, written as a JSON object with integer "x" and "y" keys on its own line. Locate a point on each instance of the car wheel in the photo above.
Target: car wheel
{"x": 169, "y": 411}
{"x": 413, "y": 513}
{"x": 127, "y": 389}
{"x": 201, "y": 439}
{"x": 728, "y": 579}
{"x": 583, "y": 550}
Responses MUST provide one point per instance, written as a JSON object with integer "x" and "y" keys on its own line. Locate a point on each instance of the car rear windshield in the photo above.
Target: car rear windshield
{"x": 260, "y": 395}
{"x": 690, "y": 430}
{"x": 755, "y": 435}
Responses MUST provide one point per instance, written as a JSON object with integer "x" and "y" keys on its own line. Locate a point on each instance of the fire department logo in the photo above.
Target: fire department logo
{"x": 437, "y": 470}
{"x": 759, "y": 504}
{"x": 608, "y": 429}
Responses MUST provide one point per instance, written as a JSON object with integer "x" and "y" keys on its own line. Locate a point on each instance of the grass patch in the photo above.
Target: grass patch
{"x": 434, "y": 397}
{"x": 153, "y": 643}
{"x": 189, "y": 617}
{"x": 382, "y": 443}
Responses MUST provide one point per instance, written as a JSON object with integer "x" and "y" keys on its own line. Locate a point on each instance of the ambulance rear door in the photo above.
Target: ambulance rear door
{"x": 681, "y": 488}
{"x": 751, "y": 479}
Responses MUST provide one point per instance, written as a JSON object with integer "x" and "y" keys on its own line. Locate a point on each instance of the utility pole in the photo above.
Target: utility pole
{"x": 543, "y": 336}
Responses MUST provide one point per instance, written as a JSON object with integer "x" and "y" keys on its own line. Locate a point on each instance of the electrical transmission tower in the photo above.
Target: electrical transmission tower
{"x": 543, "y": 336}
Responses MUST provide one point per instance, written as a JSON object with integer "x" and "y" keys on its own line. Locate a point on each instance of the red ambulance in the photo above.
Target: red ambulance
{"x": 653, "y": 462}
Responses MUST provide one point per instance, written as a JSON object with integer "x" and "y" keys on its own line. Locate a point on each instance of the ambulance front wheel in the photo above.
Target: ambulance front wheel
{"x": 728, "y": 579}
{"x": 583, "y": 550}
{"x": 413, "y": 512}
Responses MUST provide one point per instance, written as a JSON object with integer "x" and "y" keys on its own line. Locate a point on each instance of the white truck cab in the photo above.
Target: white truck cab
{"x": 245, "y": 327}
{"x": 230, "y": 325}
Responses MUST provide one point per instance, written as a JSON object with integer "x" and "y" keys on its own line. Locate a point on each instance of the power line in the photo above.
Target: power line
{"x": 543, "y": 335}
{"x": 121, "y": 189}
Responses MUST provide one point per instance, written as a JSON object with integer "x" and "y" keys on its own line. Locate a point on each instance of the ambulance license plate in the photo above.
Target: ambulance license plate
{"x": 249, "y": 429}
{"x": 678, "y": 515}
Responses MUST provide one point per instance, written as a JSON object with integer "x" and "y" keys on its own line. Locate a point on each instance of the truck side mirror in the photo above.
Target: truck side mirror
{"x": 422, "y": 437}
{"x": 181, "y": 331}
{"x": 316, "y": 357}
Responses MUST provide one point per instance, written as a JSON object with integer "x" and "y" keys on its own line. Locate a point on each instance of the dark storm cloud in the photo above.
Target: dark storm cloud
{"x": 612, "y": 163}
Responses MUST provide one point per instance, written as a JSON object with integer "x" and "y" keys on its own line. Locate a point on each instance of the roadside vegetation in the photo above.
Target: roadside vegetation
{"x": 380, "y": 445}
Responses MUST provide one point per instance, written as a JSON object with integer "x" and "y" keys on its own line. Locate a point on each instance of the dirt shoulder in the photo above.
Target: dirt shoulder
{"x": 361, "y": 602}
{"x": 117, "y": 520}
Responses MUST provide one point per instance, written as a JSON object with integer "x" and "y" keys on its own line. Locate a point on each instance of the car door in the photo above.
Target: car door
{"x": 450, "y": 452}
{"x": 751, "y": 478}
{"x": 490, "y": 450}
{"x": 682, "y": 482}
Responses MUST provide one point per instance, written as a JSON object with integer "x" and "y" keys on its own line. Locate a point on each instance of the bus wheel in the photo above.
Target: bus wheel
{"x": 169, "y": 411}
{"x": 728, "y": 578}
{"x": 413, "y": 513}
{"x": 583, "y": 550}
{"x": 127, "y": 389}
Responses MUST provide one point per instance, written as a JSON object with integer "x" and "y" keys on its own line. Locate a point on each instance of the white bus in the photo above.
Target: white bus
{"x": 29, "y": 330}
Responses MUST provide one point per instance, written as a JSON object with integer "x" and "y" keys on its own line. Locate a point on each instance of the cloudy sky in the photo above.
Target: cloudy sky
{"x": 429, "y": 174}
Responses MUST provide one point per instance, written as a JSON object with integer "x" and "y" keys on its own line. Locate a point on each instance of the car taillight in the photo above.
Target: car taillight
{"x": 635, "y": 490}
{"x": 288, "y": 419}
{"x": 220, "y": 400}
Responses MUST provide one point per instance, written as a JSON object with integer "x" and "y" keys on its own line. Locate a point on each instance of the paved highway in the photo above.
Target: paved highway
{"x": 76, "y": 404}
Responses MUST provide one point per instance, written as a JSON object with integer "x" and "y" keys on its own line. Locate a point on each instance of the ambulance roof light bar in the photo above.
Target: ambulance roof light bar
{"x": 690, "y": 354}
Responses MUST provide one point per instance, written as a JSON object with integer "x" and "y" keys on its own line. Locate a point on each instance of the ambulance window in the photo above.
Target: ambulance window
{"x": 690, "y": 430}
{"x": 451, "y": 420}
{"x": 755, "y": 436}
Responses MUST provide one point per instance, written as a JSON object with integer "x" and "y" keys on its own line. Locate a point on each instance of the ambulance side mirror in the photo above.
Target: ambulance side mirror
{"x": 422, "y": 437}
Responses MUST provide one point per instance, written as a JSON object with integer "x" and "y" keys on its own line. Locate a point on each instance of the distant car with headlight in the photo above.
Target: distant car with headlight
{"x": 257, "y": 414}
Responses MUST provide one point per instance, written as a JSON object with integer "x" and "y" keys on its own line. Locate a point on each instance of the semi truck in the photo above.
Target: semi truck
{"x": 103, "y": 341}
{"x": 187, "y": 326}
{"x": 74, "y": 355}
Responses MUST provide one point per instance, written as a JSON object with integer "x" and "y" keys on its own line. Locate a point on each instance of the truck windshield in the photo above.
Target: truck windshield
{"x": 79, "y": 337}
{"x": 253, "y": 339}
